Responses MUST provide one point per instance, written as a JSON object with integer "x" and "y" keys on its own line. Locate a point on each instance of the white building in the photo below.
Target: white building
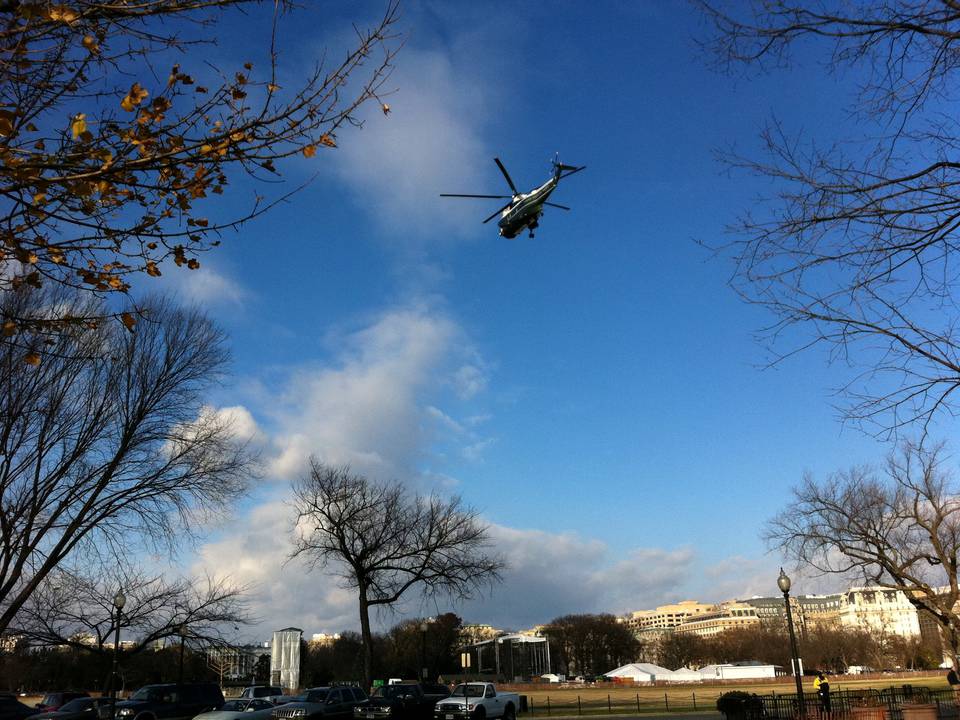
{"x": 879, "y": 610}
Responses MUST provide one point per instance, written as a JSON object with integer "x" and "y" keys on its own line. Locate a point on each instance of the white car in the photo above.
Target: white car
{"x": 242, "y": 709}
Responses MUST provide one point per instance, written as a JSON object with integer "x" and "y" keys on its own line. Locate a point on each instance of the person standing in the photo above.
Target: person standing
{"x": 822, "y": 686}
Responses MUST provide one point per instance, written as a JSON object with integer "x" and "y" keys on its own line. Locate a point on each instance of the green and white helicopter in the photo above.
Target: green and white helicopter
{"x": 524, "y": 209}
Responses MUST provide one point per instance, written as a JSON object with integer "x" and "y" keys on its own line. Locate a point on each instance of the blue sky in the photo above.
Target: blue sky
{"x": 597, "y": 391}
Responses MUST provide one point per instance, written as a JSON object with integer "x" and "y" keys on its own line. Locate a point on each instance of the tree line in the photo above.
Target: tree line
{"x": 829, "y": 649}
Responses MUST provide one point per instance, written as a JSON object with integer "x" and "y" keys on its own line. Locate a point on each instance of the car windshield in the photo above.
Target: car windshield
{"x": 392, "y": 691}
{"x": 468, "y": 691}
{"x": 316, "y": 696}
{"x": 235, "y": 705}
{"x": 78, "y": 705}
{"x": 150, "y": 694}
{"x": 51, "y": 699}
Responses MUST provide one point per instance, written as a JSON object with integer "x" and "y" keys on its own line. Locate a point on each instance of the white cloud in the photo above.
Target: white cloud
{"x": 373, "y": 406}
{"x": 429, "y": 144}
{"x": 548, "y": 575}
{"x": 203, "y": 287}
{"x": 552, "y": 574}
{"x": 282, "y": 592}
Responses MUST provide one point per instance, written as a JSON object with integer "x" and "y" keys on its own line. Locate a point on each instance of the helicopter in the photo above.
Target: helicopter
{"x": 524, "y": 209}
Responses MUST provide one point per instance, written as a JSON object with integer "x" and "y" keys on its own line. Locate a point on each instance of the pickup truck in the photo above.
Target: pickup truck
{"x": 477, "y": 701}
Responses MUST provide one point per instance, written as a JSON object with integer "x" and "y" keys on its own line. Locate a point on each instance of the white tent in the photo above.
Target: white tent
{"x": 685, "y": 674}
{"x": 738, "y": 671}
{"x": 640, "y": 672}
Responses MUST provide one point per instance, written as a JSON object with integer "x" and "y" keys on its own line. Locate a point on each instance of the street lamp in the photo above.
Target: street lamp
{"x": 183, "y": 632}
{"x": 423, "y": 650}
{"x": 119, "y": 600}
{"x": 783, "y": 582}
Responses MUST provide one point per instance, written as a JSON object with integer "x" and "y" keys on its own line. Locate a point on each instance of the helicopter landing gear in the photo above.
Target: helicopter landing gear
{"x": 533, "y": 226}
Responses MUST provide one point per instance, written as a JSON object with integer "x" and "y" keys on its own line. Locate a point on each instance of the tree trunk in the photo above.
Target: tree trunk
{"x": 367, "y": 640}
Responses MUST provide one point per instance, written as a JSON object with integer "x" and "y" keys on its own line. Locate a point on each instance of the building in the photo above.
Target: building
{"x": 879, "y": 610}
{"x": 809, "y": 611}
{"x": 232, "y": 663}
{"x": 476, "y": 632}
{"x": 323, "y": 639}
{"x": 651, "y": 626}
{"x": 728, "y": 616}
{"x": 666, "y": 616}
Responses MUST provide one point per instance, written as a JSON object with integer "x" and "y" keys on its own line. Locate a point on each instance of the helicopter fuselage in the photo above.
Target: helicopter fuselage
{"x": 526, "y": 210}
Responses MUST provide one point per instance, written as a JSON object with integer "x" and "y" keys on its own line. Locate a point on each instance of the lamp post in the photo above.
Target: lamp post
{"x": 423, "y": 650}
{"x": 119, "y": 600}
{"x": 183, "y": 632}
{"x": 783, "y": 582}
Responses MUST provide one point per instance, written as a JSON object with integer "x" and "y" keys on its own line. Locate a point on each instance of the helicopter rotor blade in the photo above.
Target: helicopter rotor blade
{"x": 507, "y": 176}
{"x": 562, "y": 207}
{"x": 498, "y": 197}
{"x": 499, "y": 210}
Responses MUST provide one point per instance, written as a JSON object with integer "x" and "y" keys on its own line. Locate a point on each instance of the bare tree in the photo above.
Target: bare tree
{"x": 586, "y": 644}
{"x": 107, "y": 444}
{"x": 898, "y": 528}
{"x": 115, "y": 130}
{"x": 75, "y": 609}
{"x": 855, "y": 245}
{"x": 385, "y": 542}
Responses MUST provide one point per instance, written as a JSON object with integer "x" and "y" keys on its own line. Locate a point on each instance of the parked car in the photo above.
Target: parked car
{"x": 322, "y": 702}
{"x": 262, "y": 691}
{"x": 56, "y": 700}
{"x": 13, "y": 709}
{"x": 170, "y": 701}
{"x": 404, "y": 701}
{"x": 245, "y": 708}
{"x": 85, "y": 708}
{"x": 478, "y": 700}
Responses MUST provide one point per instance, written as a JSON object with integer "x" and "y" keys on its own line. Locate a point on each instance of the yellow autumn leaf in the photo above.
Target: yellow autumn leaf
{"x": 63, "y": 13}
{"x": 90, "y": 43}
{"x": 385, "y": 108}
{"x": 152, "y": 269}
{"x": 128, "y": 320}
{"x": 133, "y": 98}
{"x": 78, "y": 125}
{"x": 328, "y": 140}
{"x": 9, "y": 328}
{"x": 32, "y": 358}
{"x": 309, "y": 151}
{"x": 6, "y": 123}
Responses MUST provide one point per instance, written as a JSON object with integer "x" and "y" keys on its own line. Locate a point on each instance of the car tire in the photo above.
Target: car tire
{"x": 145, "y": 716}
{"x": 509, "y": 713}
{"x": 479, "y": 714}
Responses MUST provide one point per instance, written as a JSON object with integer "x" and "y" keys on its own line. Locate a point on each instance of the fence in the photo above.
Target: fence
{"x": 844, "y": 704}
{"x": 619, "y": 705}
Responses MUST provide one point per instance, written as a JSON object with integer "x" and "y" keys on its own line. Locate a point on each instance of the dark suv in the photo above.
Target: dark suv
{"x": 329, "y": 703}
{"x": 170, "y": 702}
{"x": 402, "y": 701}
